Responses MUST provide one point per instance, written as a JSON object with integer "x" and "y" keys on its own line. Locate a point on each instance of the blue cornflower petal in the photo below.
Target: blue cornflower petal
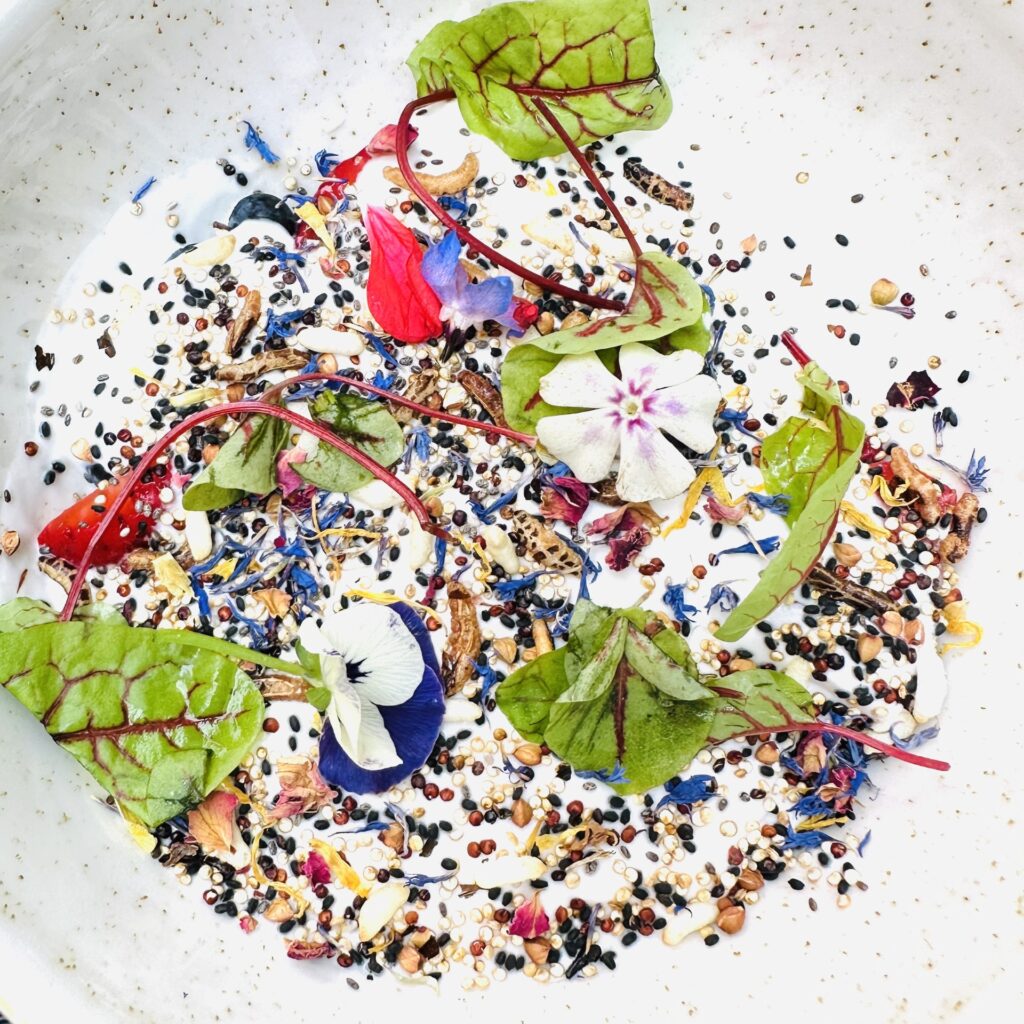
{"x": 325, "y": 162}
{"x": 675, "y": 598}
{"x": 806, "y": 840}
{"x": 279, "y": 324}
{"x": 724, "y": 596}
{"x": 143, "y": 189}
{"x": 612, "y": 776}
{"x": 378, "y": 346}
{"x": 689, "y": 791}
{"x": 253, "y": 140}
{"x": 761, "y": 547}
{"x": 737, "y": 419}
{"x": 509, "y": 588}
{"x": 777, "y": 503}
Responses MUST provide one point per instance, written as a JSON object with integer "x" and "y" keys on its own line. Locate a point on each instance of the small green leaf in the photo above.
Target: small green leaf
{"x": 527, "y": 695}
{"x": 246, "y": 464}
{"x": 665, "y": 298}
{"x": 521, "y": 371}
{"x": 309, "y": 661}
{"x": 766, "y": 700}
{"x": 622, "y": 691}
{"x": 319, "y": 697}
{"x": 812, "y": 461}
{"x": 367, "y": 425}
{"x": 594, "y": 62}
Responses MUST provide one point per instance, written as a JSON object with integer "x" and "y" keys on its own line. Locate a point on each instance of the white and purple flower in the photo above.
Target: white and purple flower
{"x": 626, "y": 417}
{"x": 386, "y": 701}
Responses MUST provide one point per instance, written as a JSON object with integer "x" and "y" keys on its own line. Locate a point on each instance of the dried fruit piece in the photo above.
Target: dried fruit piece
{"x": 459, "y": 659}
{"x": 542, "y": 544}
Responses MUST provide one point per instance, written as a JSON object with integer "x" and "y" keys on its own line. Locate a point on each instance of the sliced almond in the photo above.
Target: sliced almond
{"x": 505, "y": 647}
{"x": 380, "y": 907}
{"x": 868, "y": 646}
{"x": 529, "y": 754}
{"x": 892, "y": 624}
{"x": 846, "y": 554}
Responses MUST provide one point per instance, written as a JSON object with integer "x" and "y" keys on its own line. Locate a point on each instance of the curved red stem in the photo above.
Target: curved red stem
{"x": 402, "y": 152}
{"x": 794, "y": 349}
{"x": 851, "y": 734}
{"x": 245, "y": 408}
{"x": 423, "y": 410}
{"x": 588, "y": 171}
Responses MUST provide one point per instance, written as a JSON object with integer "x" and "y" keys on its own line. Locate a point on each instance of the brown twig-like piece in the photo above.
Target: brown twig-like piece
{"x": 243, "y": 323}
{"x": 266, "y": 362}
{"x": 660, "y": 189}
{"x": 485, "y": 394}
{"x": 927, "y": 490}
{"x": 965, "y": 513}
{"x": 853, "y": 593}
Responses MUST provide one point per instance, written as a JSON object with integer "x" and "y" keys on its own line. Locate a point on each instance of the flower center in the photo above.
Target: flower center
{"x": 631, "y": 406}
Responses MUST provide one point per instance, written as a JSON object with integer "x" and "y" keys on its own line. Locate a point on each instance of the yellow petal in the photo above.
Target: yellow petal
{"x": 315, "y": 220}
{"x": 170, "y": 577}
{"x": 343, "y": 872}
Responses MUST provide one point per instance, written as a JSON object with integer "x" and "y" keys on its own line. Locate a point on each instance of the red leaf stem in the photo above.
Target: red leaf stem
{"x": 403, "y": 142}
{"x": 243, "y": 408}
{"x": 794, "y": 349}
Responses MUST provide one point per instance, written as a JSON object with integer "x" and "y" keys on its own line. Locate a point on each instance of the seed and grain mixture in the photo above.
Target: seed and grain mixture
{"x": 453, "y": 592}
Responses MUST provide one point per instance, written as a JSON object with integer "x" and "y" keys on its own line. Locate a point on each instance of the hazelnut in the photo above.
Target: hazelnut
{"x": 731, "y": 920}
{"x": 884, "y": 291}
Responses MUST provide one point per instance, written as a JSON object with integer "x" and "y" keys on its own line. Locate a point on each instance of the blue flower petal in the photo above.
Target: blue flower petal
{"x": 413, "y": 727}
{"x": 487, "y": 300}
{"x": 441, "y": 268}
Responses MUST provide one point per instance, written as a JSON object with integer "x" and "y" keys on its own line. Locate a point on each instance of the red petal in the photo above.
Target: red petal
{"x": 398, "y": 298}
{"x": 386, "y": 140}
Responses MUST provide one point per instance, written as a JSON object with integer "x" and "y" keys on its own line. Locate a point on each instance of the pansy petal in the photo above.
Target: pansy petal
{"x": 649, "y": 467}
{"x": 687, "y": 412}
{"x": 374, "y": 749}
{"x": 345, "y": 710}
{"x": 312, "y": 638}
{"x": 420, "y": 634}
{"x": 585, "y": 441}
{"x": 581, "y": 382}
{"x": 640, "y": 364}
{"x": 384, "y": 659}
{"x": 413, "y": 727}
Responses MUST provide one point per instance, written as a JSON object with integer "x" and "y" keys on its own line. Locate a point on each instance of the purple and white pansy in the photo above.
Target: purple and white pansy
{"x": 386, "y": 701}
{"x": 626, "y": 416}
{"x": 463, "y": 302}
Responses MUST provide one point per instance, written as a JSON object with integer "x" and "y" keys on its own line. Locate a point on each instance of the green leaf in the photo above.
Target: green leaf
{"x": 812, "y": 461}
{"x": 594, "y": 62}
{"x": 246, "y": 464}
{"x": 623, "y": 690}
{"x": 309, "y": 661}
{"x": 158, "y": 721}
{"x": 319, "y": 697}
{"x": 765, "y": 700}
{"x": 696, "y": 337}
{"x": 367, "y": 425}
{"x": 521, "y": 371}
{"x": 665, "y": 298}
{"x": 526, "y": 696}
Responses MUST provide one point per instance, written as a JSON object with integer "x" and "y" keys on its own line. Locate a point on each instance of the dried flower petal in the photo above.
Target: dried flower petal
{"x": 302, "y": 788}
{"x": 212, "y": 823}
{"x": 566, "y": 498}
{"x": 340, "y": 868}
{"x": 316, "y": 870}
{"x": 529, "y": 920}
{"x": 912, "y": 392}
{"x": 720, "y": 513}
{"x": 380, "y": 907}
{"x": 298, "y": 950}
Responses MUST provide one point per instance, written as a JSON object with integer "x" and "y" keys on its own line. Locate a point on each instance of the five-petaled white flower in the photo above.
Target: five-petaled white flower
{"x": 368, "y": 660}
{"x": 627, "y": 416}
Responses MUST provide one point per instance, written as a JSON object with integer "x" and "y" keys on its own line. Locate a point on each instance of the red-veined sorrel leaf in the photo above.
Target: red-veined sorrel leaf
{"x": 812, "y": 461}
{"x": 665, "y": 298}
{"x": 158, "y": 717}
{"x": 759, "y": 700}
{"x": 592, "y": 64}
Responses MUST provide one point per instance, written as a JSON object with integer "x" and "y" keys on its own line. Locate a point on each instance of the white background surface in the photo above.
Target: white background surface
{"x": 919, "y": 106}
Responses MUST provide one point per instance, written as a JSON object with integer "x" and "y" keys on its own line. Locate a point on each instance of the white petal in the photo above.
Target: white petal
{"x": 311, "y": 636}
{"x": 640, "y": 364}
{"x": 585, "y": 441}
{"x": 649, "y": 467}
{"x": 380, "y": 907}
{"x": 580, "y": 382}
{"x": 687, "y": 412}
{"x": 345, "y": 710}
{"x": 374, "y": 748}
{"x": 385, "y": 662}
{"x": 376, "y": 495}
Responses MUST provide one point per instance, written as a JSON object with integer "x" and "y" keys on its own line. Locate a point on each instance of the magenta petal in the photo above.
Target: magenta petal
{"x": 316, "y": 869}
{"x": 529, "y": 920}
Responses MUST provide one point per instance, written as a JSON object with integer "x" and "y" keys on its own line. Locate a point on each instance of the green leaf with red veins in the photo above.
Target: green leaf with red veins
{"x": 813, "y": 462}
{"x": 592, "y": 63}
{"x": 521, "y": 371}
{"x": 665, "y": 299}
{"x": 758, "y": 700}
{"x": 158, "y": 717}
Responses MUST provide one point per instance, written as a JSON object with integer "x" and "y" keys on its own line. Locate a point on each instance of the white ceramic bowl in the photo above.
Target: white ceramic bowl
{"x": 918, "y": 107}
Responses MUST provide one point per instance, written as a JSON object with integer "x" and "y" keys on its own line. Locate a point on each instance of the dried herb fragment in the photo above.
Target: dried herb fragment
{"x": 660, "y": 189}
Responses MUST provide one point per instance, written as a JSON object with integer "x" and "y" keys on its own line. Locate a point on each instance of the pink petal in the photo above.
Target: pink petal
{"x": 567, "y": 500}
{"x": 287, "y": 479}
{"x": 529, "y": 920}
{"x": 316, "y": 869}
{"x": 721, "y": 513}
{"x": 386, "y": 140}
